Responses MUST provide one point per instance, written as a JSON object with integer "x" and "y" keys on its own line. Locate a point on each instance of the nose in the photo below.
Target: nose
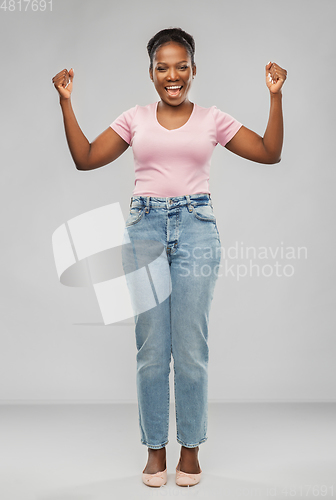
{"x": 172, "y": 74}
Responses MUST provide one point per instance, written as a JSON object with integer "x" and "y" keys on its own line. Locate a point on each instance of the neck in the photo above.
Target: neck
{"x": 183, "y": 106}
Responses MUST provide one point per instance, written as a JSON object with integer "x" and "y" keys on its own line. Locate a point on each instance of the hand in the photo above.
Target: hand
{"x": 63, "y": 83}
{"x": 275, "y": 77}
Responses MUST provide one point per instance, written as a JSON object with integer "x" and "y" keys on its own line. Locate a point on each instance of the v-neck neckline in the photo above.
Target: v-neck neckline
{"x": 173, "y": 129}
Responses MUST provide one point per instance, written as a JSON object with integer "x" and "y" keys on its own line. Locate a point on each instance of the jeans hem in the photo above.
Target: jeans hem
{"x": 154, "y": 446}
{"x": 191, "y": 445}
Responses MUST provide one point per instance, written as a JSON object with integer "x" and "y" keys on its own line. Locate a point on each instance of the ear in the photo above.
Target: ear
{"x": 151, "y": 74}
{"x": 194, "y": 70}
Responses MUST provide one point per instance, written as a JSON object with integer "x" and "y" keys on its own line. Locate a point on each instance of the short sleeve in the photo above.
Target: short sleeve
{"x": 226, "y": 126}
{"x": 123, "y": 124}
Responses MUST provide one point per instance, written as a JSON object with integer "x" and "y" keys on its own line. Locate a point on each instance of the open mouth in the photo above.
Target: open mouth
{"x": 174, "y": 90}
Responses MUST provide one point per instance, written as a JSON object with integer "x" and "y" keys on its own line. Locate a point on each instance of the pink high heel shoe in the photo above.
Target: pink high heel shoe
{"x": 187, "y": 479}
{"x": 158, "y": 479}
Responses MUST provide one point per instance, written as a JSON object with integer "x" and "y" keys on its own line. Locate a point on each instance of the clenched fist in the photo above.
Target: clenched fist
{"x": 275, "y": 77}
{"x": 63, "y": 83}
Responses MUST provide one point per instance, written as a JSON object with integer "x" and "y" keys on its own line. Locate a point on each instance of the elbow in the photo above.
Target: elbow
{"x": 80, "y": 166}
{"x": 271, "y": 159}
{"x": 277, "y": 160}
{"x": 84, "y": 164}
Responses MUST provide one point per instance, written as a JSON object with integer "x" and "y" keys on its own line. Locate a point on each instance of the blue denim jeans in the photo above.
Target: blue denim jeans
{"x": 185, "y": 227}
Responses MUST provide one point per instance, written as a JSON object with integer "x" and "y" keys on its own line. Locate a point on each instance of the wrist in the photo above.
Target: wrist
{"x": 64, "y": 101}
{"x": 276, "y": 95}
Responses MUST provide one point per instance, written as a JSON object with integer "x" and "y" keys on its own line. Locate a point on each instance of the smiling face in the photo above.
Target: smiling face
{"x": 172, "y": 68}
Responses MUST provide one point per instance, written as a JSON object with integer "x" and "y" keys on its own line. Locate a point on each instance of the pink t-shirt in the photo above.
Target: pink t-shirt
{"x": 173, "y": 162}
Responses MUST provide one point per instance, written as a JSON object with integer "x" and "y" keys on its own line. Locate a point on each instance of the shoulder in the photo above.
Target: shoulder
{"x": 216, "y": 112}
{"x": 222, "y": 118}
{"x": 210, "y": 112}
{"x": 147, "y": 107}
{"x": 140, "y": 111}
{"x": 203, "y": 110}
{"x": 128, "y": 116}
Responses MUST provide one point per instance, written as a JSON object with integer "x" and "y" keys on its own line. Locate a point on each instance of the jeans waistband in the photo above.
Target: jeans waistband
{"x": 170, "y": 201}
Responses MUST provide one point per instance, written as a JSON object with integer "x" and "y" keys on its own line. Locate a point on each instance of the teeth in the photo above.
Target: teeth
{"x": 173, "y": 87}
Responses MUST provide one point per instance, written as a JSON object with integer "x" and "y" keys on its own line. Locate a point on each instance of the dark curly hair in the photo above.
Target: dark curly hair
{"x": 171, "y": 35}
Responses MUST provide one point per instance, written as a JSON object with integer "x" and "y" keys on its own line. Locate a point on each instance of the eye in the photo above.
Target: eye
{"x": 164, "y": 69}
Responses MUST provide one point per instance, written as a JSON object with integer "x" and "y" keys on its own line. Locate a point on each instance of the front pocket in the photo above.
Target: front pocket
{"x": 135, "y": 215}
{"x": 204, "y": 212}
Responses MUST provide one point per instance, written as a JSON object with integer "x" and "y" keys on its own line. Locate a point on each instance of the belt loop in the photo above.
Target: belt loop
{"x": 131, "y": 201}
{"x": 188, "y": 202}
{"x": 147, "y": 205}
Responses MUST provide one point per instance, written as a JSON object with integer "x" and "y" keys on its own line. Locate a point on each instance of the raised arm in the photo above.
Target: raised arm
{"x": 107, "y": 147}
{"x": 267, "y": 149}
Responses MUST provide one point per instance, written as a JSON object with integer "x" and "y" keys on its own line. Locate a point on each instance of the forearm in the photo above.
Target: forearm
{"x": 78, "y": 144}
{"x": 273, "y": 136}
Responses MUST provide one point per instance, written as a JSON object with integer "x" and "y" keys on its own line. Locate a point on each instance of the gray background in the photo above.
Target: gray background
{"x": 271, "y": 338}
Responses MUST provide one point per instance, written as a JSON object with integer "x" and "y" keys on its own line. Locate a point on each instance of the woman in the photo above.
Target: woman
{"x": 173, "y": 141}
